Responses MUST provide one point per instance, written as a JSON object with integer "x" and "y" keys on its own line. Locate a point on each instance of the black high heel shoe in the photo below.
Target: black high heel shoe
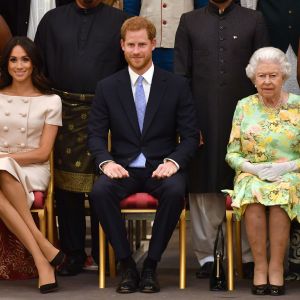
{"x": 58, "y": 259}
{"x": 277, "y": 290}
{"x": 260, "y": 290}
{"x": 49, "y": 287}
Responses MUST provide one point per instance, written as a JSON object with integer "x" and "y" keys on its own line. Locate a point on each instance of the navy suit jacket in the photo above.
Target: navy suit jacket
{"x": 170, "y": 112}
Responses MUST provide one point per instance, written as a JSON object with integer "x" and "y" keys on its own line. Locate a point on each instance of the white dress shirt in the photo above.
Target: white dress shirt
{"x": 37, "y": 10}
{"x": 148, "y": 75}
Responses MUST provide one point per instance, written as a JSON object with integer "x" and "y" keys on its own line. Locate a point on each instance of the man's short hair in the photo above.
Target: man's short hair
{"x": 138, "y": 23}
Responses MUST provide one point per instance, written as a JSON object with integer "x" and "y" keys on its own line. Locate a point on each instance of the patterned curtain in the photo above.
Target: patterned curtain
{"x": 15, "y": 261}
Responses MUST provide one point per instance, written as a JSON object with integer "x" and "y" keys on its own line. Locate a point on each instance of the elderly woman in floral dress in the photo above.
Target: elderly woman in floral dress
{"x": 264, "y": 149}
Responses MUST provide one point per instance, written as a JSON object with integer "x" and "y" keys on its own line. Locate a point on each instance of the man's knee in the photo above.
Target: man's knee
{"x": 102, "y": 188}
{"x": 173, "y": 188}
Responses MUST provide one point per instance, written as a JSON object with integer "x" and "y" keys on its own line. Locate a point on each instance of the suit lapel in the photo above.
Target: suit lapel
{"x": 157, "y": 91}
{"x": 127, "y": 101}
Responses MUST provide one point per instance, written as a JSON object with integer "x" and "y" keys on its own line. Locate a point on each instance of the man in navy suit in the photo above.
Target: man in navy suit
{"x": 145, "y": 155}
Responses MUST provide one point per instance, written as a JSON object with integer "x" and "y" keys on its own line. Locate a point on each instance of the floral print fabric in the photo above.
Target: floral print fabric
{"x": 265, "y": 135}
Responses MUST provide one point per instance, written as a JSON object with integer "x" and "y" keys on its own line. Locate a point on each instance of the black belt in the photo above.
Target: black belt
{"x": 74, "y": 96}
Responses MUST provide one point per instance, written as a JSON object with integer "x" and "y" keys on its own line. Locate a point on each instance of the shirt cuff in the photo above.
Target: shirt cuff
{"x": 104, "y": 163}
{"x": 173, "y": 161}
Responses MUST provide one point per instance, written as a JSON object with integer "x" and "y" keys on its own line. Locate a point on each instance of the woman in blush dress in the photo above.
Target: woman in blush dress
{"x": 30, "y": 116}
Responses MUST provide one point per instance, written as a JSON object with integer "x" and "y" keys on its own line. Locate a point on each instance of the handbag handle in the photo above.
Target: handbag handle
{"x": 220, "y": 236}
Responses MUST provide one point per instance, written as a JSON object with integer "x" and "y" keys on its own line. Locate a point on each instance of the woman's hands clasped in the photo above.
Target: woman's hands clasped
{"x": 269, "y": 171}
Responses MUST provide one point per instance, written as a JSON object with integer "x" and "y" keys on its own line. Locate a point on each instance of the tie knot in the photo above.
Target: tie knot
{"x": 140, "y": 80}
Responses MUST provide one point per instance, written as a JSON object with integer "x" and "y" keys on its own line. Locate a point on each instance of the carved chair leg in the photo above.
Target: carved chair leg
{"x": 182, "y": 250}
{"x": 112, "y": 261}
{"x": 229, "y": 241}
{"x": 101, "y": 258}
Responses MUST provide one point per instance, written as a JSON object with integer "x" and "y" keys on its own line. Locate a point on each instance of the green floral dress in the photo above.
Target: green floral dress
{"x": 260, "y": 134}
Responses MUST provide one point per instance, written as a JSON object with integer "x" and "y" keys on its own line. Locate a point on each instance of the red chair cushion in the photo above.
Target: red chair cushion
{"x": 139, "y": 201}
{"x": 228, "y": 203}
{"x": 39, "y": 200}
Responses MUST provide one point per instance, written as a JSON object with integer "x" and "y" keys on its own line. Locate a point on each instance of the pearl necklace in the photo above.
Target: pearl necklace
{"x": 271, "y": 107}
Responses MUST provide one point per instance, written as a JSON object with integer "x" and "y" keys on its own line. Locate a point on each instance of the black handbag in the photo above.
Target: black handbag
{"x": 217, "y": 280}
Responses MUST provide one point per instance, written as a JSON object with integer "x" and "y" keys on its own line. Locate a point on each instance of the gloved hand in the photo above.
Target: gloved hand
{"x": 254, "y": 169}
{"x": 276, "y": 170}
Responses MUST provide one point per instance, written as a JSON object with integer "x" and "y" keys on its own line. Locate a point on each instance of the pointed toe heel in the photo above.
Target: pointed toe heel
{"x": 58, "y": 259}
{"x": 49, "y": 287}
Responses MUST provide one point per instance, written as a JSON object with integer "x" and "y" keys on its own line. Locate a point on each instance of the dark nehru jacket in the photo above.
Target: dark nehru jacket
{"x": 79, "y": 47}
{"x": 83, "y": 50}
{"x": 16, "y": 14}
{"x": 212, "y": 49}
{"x": 283, "y": 20}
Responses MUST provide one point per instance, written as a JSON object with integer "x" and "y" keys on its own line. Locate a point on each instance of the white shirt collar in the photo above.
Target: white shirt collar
{"x": 148, "y": 75}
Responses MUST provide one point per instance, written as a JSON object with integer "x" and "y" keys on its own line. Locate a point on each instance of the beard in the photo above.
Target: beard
{"x": 139, "y": 64}
{"x": 220, "y": 1}
{"x": 88, "y": 3}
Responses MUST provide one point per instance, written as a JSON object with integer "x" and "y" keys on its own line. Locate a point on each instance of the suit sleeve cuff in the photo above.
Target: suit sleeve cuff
{"x": 103, "y": 163}
{"x": 173, "y": 161}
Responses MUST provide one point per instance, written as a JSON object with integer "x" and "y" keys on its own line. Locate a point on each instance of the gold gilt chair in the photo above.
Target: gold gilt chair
{"x": 43, "y": 206}
{"x": 141, "y": 206}
{"x": 230, "y": 245}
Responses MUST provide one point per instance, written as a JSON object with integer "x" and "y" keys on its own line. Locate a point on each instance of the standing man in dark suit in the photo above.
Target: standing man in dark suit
{"x": 145, "y": 108}
{"x": 212, "y": 48}
{"x": 80, "y": 44}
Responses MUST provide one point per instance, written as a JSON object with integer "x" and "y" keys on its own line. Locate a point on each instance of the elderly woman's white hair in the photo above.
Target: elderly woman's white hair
{"x": 268, "y": 54}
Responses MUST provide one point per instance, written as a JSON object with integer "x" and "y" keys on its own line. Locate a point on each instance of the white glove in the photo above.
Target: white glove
{"x": 275, "y": 170}
{"x": 254, "y": 169}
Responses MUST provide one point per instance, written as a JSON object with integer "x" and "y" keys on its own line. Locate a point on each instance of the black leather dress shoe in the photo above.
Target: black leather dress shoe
{"x": 277, "y": 290}
{"x": 149, "y": 283}
{"x": 260, "y": 290}
{"x": 70, "y": 267}
{"x": 205, "y": 270}
{"x": 129, "y": 282}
